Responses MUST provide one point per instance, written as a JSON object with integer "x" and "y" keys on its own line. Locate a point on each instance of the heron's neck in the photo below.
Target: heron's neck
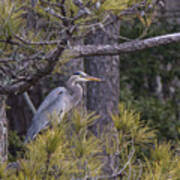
{"x": 75, "y": 90}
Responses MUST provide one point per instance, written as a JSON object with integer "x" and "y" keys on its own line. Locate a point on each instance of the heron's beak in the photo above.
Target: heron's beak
{"x": 91, "y": 78}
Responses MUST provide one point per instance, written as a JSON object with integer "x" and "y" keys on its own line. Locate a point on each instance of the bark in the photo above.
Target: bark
{"x": 107, "y": 49}
{"x": 172, "y": 11}
{"x": 103, "y": 97}
{"x": 3, "y": 130}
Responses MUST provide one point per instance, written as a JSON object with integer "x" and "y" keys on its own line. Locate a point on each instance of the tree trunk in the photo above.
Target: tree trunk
{"x": 3, "y": 130}
{"x": 172, "y": 11}
{"x": 103, "y": 97}
{"x": 19, "y": 114}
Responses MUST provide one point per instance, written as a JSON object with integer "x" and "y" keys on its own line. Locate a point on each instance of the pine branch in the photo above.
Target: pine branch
{"x": 25, "y": 83}
{"x": 37, "y": 43}
{"x": 47, "y": 166}
{"x": 6, "y": 60}
{"x": 116, "y": 49}
{"x": 52, "y": 3}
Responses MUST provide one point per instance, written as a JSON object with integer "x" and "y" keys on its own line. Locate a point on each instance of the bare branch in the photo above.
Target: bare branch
{"x": 37, "y": 43}
{"x": 51, "y": 3}
{"x": 111, "y": 50}
{"x": 29, "y": 102}
{"x": 82, "y": 10}
{"x": 32, "y": 57}
{"x": 9, "y": 42}
{"x": 7, "y": 60}
{"x": 131, "y": 155}
{"x": 133, "y": 9}
{"x": 53, "y": 13}
{"x": 140, "y": 170}
{"x": 25, "y": 83}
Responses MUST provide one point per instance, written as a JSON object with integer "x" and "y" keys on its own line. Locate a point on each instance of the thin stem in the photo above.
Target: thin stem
{"x": 29, "y": 102}
{"x": 47, "y": 166}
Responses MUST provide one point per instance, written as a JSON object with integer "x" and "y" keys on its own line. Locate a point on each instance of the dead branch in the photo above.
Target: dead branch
{"x": 29, "y": 102}
{"x": 27, "y": 82}
{"x": 131, "y": 155}
{"x": 37, "y": 43}
{"x": 116, "y": 49}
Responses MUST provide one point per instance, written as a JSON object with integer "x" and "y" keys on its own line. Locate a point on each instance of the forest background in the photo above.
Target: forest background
{"x": 145, "y": 82}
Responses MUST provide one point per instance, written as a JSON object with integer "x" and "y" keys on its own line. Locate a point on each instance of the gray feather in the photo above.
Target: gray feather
{"x": 57, "y": 101}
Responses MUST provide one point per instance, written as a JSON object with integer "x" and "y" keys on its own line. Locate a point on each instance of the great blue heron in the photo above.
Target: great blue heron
{"x": 60, "y": 100}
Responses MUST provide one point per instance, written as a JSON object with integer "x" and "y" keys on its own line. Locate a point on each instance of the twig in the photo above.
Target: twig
{"x": 29, "y": 102}
{"x": 47, "y": 166}
{"x": 52, "y": 12}
{"x": 51, "y": 3}
{"x": 132, "y": 9}
{"x": 52, "y": 57}
{"x": 9, "y": 41}
{"x": 37, "y": 43}
{"x": 140, "y": 171}
{"x": 7, "y": 60}
{"x": 63, "y": 10}
{"x": 121, "y": 170}
{"x": 130, "y": 172}
{"x": 82, "y": 10}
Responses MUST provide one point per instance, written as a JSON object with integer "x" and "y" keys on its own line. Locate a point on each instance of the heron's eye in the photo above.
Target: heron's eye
{"x": 80, "y": 74}
{"x": 77, "y": 73}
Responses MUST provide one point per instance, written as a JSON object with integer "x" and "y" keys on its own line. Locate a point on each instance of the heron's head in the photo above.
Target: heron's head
{"x": 83, "y": 77}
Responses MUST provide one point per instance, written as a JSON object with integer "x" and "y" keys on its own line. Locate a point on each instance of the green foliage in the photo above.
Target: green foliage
{"x": 128, "y": 123}
{"x": 139, "y": 73}
{"x": 71, "y": 151}
{"x": 118, "y": 5}
{"x": 10, "y": 21}
{"x": 64, "y": 151}
{"x": 163, "y": 164}
{"x": 15, "y": 146}
{"x": 159, "y": 115}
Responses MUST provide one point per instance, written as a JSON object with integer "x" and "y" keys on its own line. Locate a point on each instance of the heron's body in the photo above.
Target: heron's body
{"x": 59, "y": 101}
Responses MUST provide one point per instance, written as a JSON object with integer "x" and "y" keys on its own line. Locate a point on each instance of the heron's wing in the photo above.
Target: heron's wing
{"x": 57, "y": 100}
{"x": 51, "y": 97}
{"x": 34, "y": 129}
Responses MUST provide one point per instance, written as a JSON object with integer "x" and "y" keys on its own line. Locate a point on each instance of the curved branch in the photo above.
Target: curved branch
{"x": 111, "y": 50}
{"x": 25, "y": 84}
